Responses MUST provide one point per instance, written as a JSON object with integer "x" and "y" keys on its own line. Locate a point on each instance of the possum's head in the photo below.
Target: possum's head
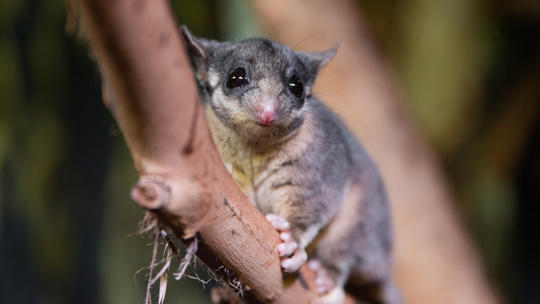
{"x": 257, "y": 87}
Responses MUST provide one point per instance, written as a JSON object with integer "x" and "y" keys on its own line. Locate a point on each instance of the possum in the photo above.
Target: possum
{"x": 298, "y": 163}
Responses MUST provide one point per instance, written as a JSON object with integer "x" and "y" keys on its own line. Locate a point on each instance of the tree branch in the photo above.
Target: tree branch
{"x": 150, "y": 89}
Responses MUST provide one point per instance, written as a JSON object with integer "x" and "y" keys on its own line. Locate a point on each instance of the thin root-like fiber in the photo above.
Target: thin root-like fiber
{"x": 148, "y": 299}
{"x": 190, "y": 253}
{"x": 150, "y": 224}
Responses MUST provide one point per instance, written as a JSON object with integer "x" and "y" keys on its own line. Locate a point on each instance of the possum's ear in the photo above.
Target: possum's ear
{"x": 200, "y": 50}
{"x": 316, "y": 60}
{"x": 198, "y": 47}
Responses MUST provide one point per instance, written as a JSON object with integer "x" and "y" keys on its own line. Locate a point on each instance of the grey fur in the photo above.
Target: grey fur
{"x": 306, "y": 166}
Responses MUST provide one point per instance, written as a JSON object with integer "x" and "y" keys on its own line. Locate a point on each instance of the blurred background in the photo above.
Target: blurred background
{"x": 470, "y": 70}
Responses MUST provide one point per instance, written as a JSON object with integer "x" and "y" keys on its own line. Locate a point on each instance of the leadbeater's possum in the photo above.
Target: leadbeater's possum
{"x": 298, "y": 163}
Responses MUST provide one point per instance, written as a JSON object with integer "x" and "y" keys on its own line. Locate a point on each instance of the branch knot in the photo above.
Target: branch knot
{"x": 151, "y": 193}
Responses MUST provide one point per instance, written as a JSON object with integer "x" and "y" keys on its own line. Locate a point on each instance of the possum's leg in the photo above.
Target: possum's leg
{"x": 292, "y": 253}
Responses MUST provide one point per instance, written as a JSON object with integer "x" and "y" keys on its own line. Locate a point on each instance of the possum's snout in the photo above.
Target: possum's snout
{"x": 267, "y": 111}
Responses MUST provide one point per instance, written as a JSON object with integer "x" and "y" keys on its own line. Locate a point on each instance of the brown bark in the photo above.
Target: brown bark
{"x": 435, "y": 261}
{"x": 150, "y": 89}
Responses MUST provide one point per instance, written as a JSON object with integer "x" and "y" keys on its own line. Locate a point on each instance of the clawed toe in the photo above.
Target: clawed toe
{"x": 278, "y": 222}
{"x": 324, "y": 285}
{"x": 293, "y": 257}
{"x": 296, "y": 261}
{"x": 314, "y": 265}
{"x": 287, "y": 248}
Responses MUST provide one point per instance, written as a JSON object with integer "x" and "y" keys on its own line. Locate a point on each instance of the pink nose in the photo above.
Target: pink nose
{"x": 267, "y": 117}
{"x": 267, "y": 114}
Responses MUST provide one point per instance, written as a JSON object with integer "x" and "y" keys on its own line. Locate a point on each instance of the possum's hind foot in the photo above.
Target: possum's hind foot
{"x": 292, "y": 256}
{"x": 334, "y": 296}
{"x": 323, "y": 281}
{"x": 326, "y": 286}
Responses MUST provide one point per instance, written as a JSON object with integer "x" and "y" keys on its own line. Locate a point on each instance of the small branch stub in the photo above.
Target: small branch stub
{"x": 150, "y": 193}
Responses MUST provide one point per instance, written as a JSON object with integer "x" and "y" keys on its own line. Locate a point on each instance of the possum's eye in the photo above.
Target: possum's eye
{"x": 237, "y": 78}
{"x": 296, "y": 86}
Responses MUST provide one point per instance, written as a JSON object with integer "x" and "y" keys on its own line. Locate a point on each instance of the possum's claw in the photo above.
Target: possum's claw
{"x": 293, "y": 257}
{"x": 288, "y": 247}
{"x": 278, "y": 222}
{"x": 296, "y": 261}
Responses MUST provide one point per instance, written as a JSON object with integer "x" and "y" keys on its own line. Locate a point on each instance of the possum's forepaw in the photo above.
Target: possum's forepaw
{"x": 292, "y": 256}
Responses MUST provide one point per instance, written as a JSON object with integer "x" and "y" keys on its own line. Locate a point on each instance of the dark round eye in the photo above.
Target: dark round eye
{"x": 237, "y": 78}
{"x": 296, "y": 86}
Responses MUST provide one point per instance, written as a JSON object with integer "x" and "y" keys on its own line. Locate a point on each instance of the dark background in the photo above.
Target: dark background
{"x": 470, "y": 70}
